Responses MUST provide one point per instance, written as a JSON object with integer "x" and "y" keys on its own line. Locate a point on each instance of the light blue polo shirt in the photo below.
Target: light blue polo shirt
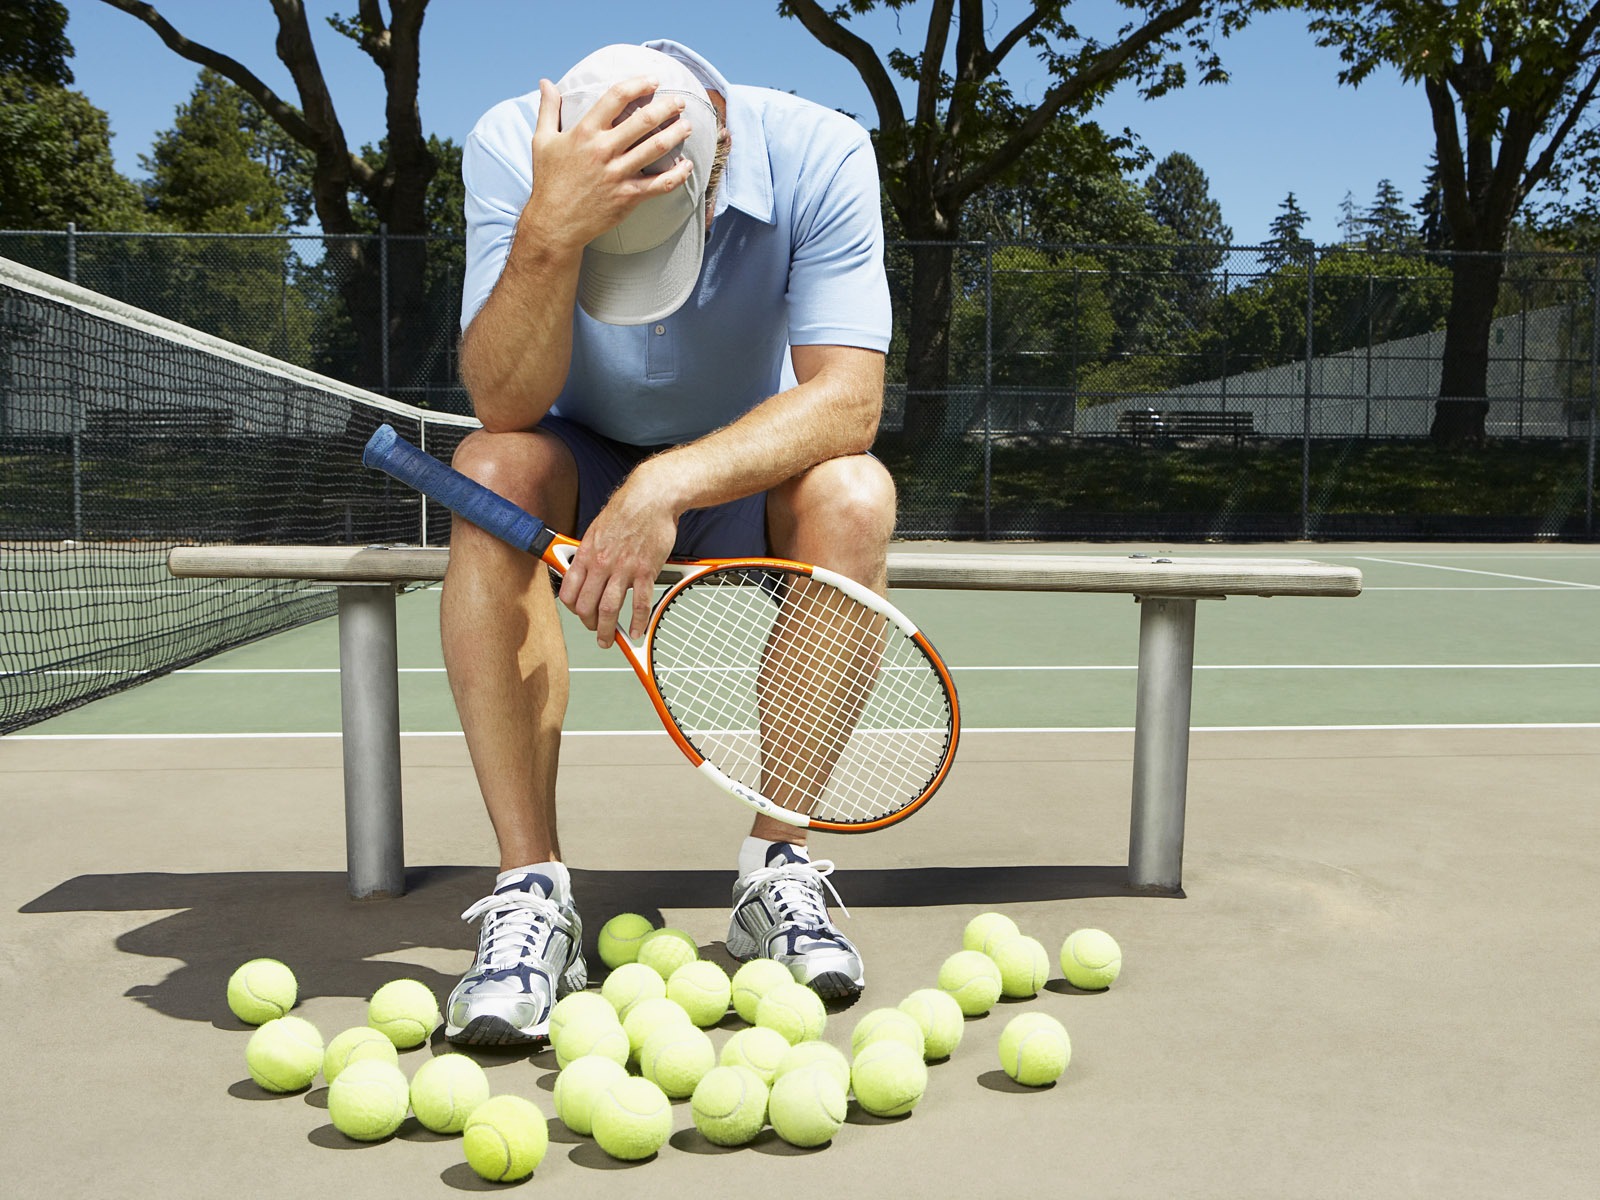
{"x": 795, "y": 257}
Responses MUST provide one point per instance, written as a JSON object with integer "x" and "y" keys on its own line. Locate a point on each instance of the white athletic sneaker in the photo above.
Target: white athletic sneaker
{"x": 529, "y": 956}
{"x": 780, "y": 911}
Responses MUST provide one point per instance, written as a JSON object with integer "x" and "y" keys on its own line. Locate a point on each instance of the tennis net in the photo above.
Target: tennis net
{"x": 123, "y": 434}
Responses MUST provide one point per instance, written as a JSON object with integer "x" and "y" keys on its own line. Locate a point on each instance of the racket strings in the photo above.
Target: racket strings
{"x": 797, "y": 690}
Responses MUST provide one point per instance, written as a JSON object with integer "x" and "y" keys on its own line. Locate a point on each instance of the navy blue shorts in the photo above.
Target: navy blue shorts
{"x": 736, "y": 529}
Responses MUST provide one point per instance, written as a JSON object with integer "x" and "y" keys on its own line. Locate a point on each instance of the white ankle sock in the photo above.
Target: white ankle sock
{"x": 554, "y": 871}
{"x": 753, "y": 854}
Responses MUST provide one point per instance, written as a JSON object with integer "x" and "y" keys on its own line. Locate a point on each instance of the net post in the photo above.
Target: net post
{"x": 1161, "y": 743}
{"x": 369, "y": 695}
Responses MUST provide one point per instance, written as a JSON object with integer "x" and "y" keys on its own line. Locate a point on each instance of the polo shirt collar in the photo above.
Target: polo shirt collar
{"x": 747, "y": 181}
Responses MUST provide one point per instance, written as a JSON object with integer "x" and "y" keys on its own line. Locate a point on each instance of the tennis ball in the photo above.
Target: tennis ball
{"x": 665, "y": 950}
{"x": 285, "y": 1054}
{"x": 1091, "y": 959}
{"x": 1024, "y": 966}
{"x": 888, "y": 1023}
{"x": 261, "y": 990}
{"x": 404, "y": 1011}
{"x": 620, "y": 937}
{"x": 631, "y": 983}
{"x": 730, "y": 1105}
{"x": 505, "y": 1138}
{"x": 446, "y": 1090}
{"x": 356, "y": 1045}
{"x": 632, "y": 1119}
{"x": 815, "y": 1054}
{"x": 807, "y": 1106}
{"x": 648, "y": 1016}
{"x": 753, "y": 981}
{"x": 579, "y": 1085}
{"x": 759, "y": 1048}
{"x": 940, "y": 1018}
{"x": 888, "y": 1078}
{"x": 368, "y": 1100}
{"x": 794, "y": 1010}
{"x": 1035, "y": 1049}
{"x": 591, "y": 1033}
{"x": 973, "y": 979}
{"x": 702, "y": 989}
{"x": 676, "y": 1058}
{"x": 987, "y": 930}
{"x": 572, "y": 1005}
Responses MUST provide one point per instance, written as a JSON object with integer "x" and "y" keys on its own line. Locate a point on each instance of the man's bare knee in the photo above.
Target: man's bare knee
{"x": 844, "y": 502}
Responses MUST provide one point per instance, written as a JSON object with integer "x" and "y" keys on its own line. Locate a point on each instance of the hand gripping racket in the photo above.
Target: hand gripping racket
{"x": 791, "y": 687}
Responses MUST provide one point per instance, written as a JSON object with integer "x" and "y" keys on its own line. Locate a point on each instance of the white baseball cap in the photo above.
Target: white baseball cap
{"x": 646, "y": 267}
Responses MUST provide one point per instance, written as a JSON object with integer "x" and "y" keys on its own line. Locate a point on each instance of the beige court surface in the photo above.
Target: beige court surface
{"x": 1381, "y": 980}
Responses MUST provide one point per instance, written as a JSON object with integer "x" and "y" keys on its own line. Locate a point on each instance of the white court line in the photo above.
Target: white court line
{"x": 1398, "y": 562}
{"x": 575, "y": 733}
{"x": 1467, "y": 587}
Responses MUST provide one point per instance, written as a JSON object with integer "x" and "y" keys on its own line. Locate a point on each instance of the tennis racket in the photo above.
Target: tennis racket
{"x": 797, "y": 690}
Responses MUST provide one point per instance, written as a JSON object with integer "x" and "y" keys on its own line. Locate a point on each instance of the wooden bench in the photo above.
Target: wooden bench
{"x": 1186, "y": 423}
{"x": 1167, "y": 587}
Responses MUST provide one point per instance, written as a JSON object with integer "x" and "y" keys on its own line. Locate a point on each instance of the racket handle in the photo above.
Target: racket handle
{"x": 390, "y": 453}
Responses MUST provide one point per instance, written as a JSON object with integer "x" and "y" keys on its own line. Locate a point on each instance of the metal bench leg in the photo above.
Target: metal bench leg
{"x": 1161, "y": 744}
{"x": 369, "y": 691}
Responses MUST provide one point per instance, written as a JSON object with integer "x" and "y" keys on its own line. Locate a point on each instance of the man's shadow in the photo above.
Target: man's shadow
{"x": 345, "y": 947}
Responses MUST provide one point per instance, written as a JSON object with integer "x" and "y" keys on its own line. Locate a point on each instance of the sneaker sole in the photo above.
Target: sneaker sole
{"x": 493, "y": 1031}
{"x": 835, "y": 985}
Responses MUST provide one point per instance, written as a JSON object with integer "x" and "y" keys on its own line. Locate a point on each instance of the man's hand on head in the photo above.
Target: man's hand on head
{"x": 588, "y": 178}
{"x": 622, "y": 552}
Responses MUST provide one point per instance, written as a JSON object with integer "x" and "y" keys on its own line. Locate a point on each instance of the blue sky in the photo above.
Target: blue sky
{"x": 1283, "y": 124}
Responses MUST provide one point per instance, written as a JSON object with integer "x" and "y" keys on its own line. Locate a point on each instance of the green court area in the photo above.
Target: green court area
{"x": 1458, "y": 635}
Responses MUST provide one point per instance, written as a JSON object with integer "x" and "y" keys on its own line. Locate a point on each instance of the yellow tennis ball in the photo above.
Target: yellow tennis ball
{"x": 1024, "y": 966}
{"x": 285, "y": 1054}
{"x": 368, "y": 1100}
{"x": 987, "y": 930}
{"x": 356, "y": 1045}
{"x": 887, "y": 1023}
{"x": 676, "y": 1058}
{"x": 262, "y": 990}
{"x": 815, "y": 1054}
{"x": 1035, "y": 1049}
{"x": 702, "y": 989}
{"x": 794, "y": 1010}
{"x": 665, "y": 950}
{"x": 505, "y": 1138}
{"x": 729, "y": 1105}
{"x": 759, "y": 1048}
{"x": 807, "y": 1106}
{"x": 592, "y": 1033}
{"x": 753, "y": 981}
{"x": 1091, "y": 959}
{"x": 619, "y": 939}
{"x": 940, "y": 1017}
{"x": 649, "y": 1015}
{"x": 445, "y": 1091}
{"x": 574, "y": 1004}
{"x": 579, "y": 1085}
{"x": 888, "y": 1078}
{"x": 631, "y": 983}
{"x": 973, "y": 979}
{"x": 404, "y": 1011}
{"x": 632, "y": 1119}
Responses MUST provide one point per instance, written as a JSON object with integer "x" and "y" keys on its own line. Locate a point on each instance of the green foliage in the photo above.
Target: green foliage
{"x": 33, "y": 42}
{"x": 56, "y": 148}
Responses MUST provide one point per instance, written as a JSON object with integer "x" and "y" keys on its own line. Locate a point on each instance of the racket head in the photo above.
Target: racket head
{"x": 801, "y": 691}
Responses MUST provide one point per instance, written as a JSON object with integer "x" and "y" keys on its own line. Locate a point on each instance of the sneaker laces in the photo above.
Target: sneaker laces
{"x": 802, "y": 903}
{"x": 511, "y": 931}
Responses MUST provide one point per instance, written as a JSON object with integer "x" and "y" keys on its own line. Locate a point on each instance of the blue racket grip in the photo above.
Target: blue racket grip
{"x": 390, "y": 453}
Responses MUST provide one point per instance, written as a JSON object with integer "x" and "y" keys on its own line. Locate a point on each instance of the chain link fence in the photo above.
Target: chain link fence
{"x": 1168, "y": 392}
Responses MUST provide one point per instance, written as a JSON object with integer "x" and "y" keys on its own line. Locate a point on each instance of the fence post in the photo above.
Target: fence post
{"x": 383, "y": 289}
{"x": 1594, "y": 396}
{"x": 988, "y": 380}
{"x": 1305, "y": 408}
{"x": 77, "y": 399}
{"x": 72, "y": 252}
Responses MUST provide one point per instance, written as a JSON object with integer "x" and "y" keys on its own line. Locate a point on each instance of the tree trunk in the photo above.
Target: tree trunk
{"x": 1463, "y": 405}
{"x": 928, "y": 341}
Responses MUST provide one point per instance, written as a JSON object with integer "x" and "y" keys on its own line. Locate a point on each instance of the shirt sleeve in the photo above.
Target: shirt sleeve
{"x": 497, "y": 185}
{"x": 838, "y": 289}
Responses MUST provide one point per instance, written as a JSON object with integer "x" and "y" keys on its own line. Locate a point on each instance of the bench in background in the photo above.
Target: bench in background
{"x": 1143, "y": 423}
{"x": 1167, "y": 588}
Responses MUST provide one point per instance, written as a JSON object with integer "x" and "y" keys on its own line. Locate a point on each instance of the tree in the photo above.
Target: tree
{"x": 33, "y": 42}
{"x": 1180, "y": 199}
{"x": 1434, "y": 226}
{"x": 1387, "y": 225}
{"x": 967, "y": 129}
{"x": 56, "y": 148}
{"x": 1286, "y": 240}
{"x": 1507, "y": 86}
{"x": 1349, "y": 220}
{"x": 395, "y": 190}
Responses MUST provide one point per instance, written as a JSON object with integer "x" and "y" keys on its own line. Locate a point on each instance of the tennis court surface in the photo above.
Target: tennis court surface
{"x": 1381, "y": 980}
